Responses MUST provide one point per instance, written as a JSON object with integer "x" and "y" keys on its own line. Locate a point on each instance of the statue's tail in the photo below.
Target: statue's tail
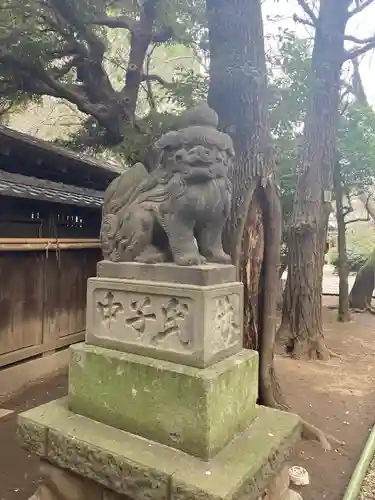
{"x": 108, "y": 231}
{"x": 118, "y": 198}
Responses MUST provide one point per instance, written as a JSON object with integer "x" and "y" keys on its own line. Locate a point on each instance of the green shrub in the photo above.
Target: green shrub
{"x": 360, "y": 242}
{"x": 355, "y": 259}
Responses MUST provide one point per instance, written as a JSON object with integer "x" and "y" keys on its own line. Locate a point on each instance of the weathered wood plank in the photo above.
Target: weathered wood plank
{"x": 21, "y": 300}
{"x": 42, "y": 300}
{"x": 65, "y": 291}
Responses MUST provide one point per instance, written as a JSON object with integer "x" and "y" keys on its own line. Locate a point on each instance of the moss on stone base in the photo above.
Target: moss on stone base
{"x": 195, "y": 410}
{"x": 143, "y": 470}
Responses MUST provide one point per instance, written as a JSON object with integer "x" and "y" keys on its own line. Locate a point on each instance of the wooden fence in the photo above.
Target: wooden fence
{"x": 43, "y": 295}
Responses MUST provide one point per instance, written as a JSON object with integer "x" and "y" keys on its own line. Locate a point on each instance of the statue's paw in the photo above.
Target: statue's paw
{"x": 220, "y": 258}
{"x": 190, "y": 260}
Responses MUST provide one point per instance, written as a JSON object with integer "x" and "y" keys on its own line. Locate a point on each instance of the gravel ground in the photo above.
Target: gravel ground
{"x": 368, "y": 486}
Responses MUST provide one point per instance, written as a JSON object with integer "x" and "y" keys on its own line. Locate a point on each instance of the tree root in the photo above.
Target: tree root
{"x": 310, "y": 432}
{"x": 370, "y": 309}
{"x": 358, "y": 310}
{"x": 334, "y": 354}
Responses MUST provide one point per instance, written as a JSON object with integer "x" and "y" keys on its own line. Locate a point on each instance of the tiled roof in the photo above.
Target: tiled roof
{"x": 21, "y": 186}
{"x": 41, "y": 144}
{"x": 29, "y": 156}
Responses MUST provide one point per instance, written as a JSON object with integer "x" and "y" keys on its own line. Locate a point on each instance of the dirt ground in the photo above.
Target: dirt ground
{"x": 337, "y": 396}
{"x": 19, "y": 469}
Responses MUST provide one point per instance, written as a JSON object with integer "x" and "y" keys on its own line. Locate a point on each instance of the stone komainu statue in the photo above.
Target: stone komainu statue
{"x": 176, "y": 212}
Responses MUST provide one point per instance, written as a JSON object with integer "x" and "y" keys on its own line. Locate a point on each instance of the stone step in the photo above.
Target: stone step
{"x": 142, "y": 469}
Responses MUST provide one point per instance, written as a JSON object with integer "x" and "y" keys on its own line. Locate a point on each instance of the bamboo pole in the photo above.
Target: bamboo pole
{"x": 47, "y": 240}
{"x": 354, "y": 486}
{"x": 6, "y": 247}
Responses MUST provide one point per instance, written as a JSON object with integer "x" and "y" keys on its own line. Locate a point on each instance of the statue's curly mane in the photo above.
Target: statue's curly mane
{"x": 161, "y": 186}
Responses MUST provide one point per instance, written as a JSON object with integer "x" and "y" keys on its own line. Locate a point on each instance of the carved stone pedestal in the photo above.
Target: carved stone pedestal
{"x": 162, "y": 398}
{"x": 191, "y": 315}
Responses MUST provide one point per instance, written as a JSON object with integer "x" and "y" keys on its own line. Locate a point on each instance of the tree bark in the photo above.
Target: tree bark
{"x": 238, "y": 92}
{"x": 343, "y": 314}
{"x": 301, "y": 330}
{"x": 361, "y": 294}
{"x": 253, "y": 249}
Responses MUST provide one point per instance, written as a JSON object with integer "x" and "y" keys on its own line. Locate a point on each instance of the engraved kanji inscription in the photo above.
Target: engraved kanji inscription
{"x": 109, "y": 308}
{"x": 174, "y": 313}
{"x": 142, "y": 314}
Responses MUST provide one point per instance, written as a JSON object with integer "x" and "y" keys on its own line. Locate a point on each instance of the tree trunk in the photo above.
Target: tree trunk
{"x": 238, "y": 92}
{"x": 361, "y": 293}
{"x": 343, "y": 314}
{"x": 367, "y": 199}
{"x": 301, "y": 329}
{"x": 253, "y": 249}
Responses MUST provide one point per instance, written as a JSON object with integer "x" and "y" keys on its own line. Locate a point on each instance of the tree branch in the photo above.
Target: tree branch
{"x": 300, "y": 20}
{"x": 81, "y": 50}
{"x": 74, "y": 94}
{"x": 306, "y": 7}
{"x": 22, "y": 81}
{"x": 150, "y": 94}
{"x": 357, "y": 85}
{"x": 139, "y": 45}
{"x": 357, "y": 220}
{"x": 353, "y": 54}
{"x": 116, "y": 22}
{"x": 38, "y": 81}
{"x": 347, "y": 211}
{"x": 360, "y": 8}
{"x": 65, "y": 68}
{"x": 156, "y": 78}
{"x": 359, "y": 41}
{"x": 66, "y": 21}
{"x": 67, "y": 13}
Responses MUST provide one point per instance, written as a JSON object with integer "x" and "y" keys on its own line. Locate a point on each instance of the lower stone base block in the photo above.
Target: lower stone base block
{"x": 56, "y": 483}
{"x": 141, "y": 469}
